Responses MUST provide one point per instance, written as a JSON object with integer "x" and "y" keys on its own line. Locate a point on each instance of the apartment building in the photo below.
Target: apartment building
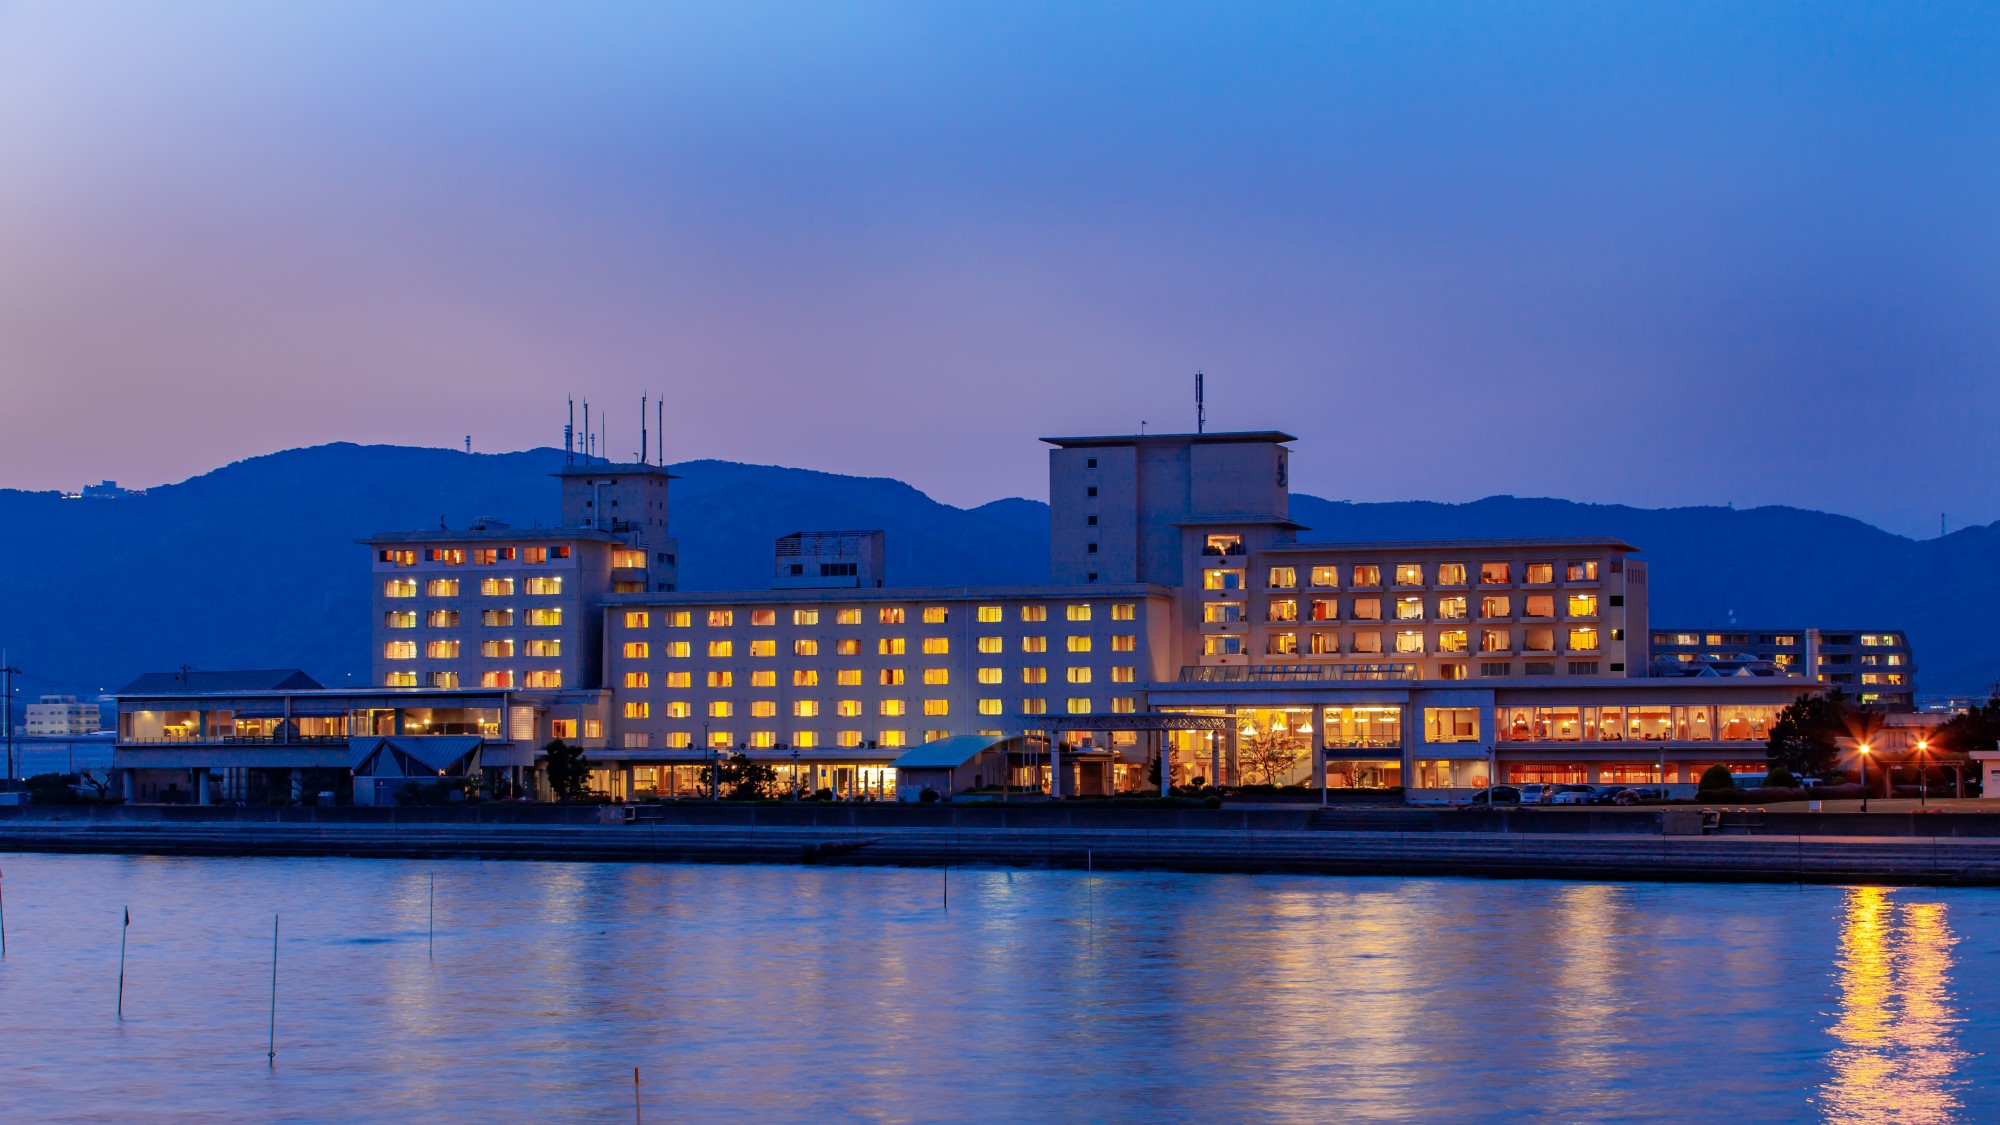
{"x": 57, "y": 716}
{"x": 1876, "y": 666}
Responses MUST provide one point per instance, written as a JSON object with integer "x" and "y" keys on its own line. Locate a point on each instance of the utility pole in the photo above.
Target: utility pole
{"x": 8, "y": 671}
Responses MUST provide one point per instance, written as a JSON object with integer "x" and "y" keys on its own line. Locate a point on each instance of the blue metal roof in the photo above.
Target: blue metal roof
{"x": 947, "y": 753}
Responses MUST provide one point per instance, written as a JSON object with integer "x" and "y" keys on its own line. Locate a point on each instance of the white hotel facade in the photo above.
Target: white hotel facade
{"x": 1178, "y": 586}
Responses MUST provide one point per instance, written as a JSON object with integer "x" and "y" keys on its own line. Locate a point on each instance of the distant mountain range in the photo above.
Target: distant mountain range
{"x": 255, "y": 565}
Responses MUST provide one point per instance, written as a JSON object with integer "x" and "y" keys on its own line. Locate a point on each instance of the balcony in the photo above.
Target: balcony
{"x": 1295, "y": 673}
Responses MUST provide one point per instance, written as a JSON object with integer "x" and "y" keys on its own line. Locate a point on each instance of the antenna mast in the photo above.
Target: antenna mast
{"x": 642, "y": 430}
{"x": 1200, "y": 410}
{"x": 569, "y": 435}
{"x": 587, "y": 434}
{"x": 660, "y": 413}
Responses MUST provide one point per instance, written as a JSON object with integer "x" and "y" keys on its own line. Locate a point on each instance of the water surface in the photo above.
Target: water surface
{"x": 762, "y": 993}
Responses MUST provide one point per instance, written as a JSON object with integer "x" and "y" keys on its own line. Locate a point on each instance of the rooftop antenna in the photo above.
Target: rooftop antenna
{"x": 660, "y": 415}
{"x": 643, "y": 458}
{"x": 586, "y": 431}
{"x": 468, "y": 443}
{"x": 1200, "y": 410}
{"x": 569, "y": 435}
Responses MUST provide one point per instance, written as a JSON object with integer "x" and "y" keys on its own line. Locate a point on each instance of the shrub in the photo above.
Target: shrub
{"x": 1716, "y": 778}
{"x": 928, "y": 796}
{"x": 1211, "y": 802}
{"x": 1780, "y": 778}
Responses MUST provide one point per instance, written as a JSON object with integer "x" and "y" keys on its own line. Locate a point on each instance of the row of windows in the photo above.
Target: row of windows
{"x": 483, "y": 556}
{"x": 449, "y": 650}
{"x": 1410, "y": 608}
{"x": 539, "y": 585}
{"x": 1365, "y": 576}
{"x": 884, "y": 677}
{"x": 884, "y": 646}
{"x": 884, "y": 615}
{"x": 852, "y": 708}
{"x": 533, "y": 678}
{"x": 448, "y": 618}
{"x": 1409, "y": 642}
{"x": 1786, "y": 640}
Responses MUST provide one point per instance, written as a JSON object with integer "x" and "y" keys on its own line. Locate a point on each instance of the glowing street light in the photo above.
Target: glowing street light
{"x": 1863, "y": 748}
{"x": 1923, "y": 774}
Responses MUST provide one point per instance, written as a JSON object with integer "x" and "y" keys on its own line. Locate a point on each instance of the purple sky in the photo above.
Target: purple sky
{"x": 1654, "y": 254}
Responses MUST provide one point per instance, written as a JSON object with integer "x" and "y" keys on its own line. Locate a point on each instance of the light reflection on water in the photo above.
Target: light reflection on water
{"x": 825, "y": 994}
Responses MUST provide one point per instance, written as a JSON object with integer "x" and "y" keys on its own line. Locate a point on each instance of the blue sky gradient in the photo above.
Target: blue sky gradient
{"x": 1648, "y": 253}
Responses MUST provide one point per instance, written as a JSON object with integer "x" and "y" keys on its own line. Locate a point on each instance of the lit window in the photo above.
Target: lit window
{"x": 1078, "y": 612}
{"x": 448, "y": 618}
{"x": 890, "y": 646}
{"x": 1451, "y": 724}
{"x": 1540, "y": 640}
{"x": 1496, "y": 607}
{"x": 1282, "y": 609}
{"x": 1367, "y": 576}
{"x": 1123, "y": 705}
{"x": 534, "y": 554}
{"x": 545, "y": 617}
{"x": 1222, "y": 579}
{"x": 500, "y": 588}
{"x": 1079, "y": 675}
{"x": 1452, "y": 640}
{"x": 936, "y": 615}
{"x": 1370, "y": 642}
{"x": 1451, "y": 574}
{"x": 804, "y": 647}
{"x": 1034, "y": 705}
{"x": 805, "y": 617}
{"x": 679, "y": 650}
{"x": 497, "y": 649}
{"x": 1324, "y": 643}
{"x": 1079, "y": 644}
{"x": 1283, "y": 578}
{"x": 1495, "y": 574}
{"x": 1410, "y": 609}
{"x": 400, "y": 619}
{"x": 1123, "y": 675}
{"x": 847, "y": 617}
{"x": 1124, "y": 611}
{"x": 1409, "y": 574}
{"x": 1034, "y": 613}
{"x": 442, "y": 588}
{"x": 1079, "y": 705}
{"x": 1583, "y": 640}
{"x": 1540, "y": 574}
{"x": 763, "y": 708}
{"x": 638, "y": 679}
{"x": 1034, "y": 644}
{"x": 721, "y": 679}
{"x": 398, "y": 558}
{"x": 847, "y": 738}
{"x": 889, "y": 615}
{"x": 764, "y": 678}
{"x": 679, "y": 740}
{"x": 680, "y": 679}
{"x": 1125, "y": 642}
{"x": 637, "y": 650}
{"x": 1494, "y": 640}
{"x": 850, "y": 646}
{"x": 541, "y": 584}
{"x": 1222, "y": 613}
{"x": 889, "y": 677}
{"x": 805, "y": 708}
{"x": 404, "y": 679}
{"x": 848, "y": 677}
{"x": 680, "y": 619}
{"x": 1368, "y": 609}
{"x": 1585, "y": 571}
{"x": 544, "y": 678}
{"x": 805, "y": 739}
{"x": 936, "y": 707}
{"x": 718, "y": 708}
{"x": 679, "y": 709}
{"x": 891, "y": 707}
{"x": 766, "y": 647}
{"x": 1326, "y": 577}
{"x": 805, "y": 677}
{"x": 1583, "y": 605}
{"x": 1281, "y": 644}
{"x": 400, "y": 588}
{"x": 989, "y": 707}
{"x": 1222, "y": 646}
{"x": 936, "y": 646}
{"x": 991, "y": 644}
{"x": 937, "y": 675}
{"x": 627, "y": 559}
{"x": 399, "y": 650}
{"x": 847, "y": 708}
{"x": 636, "y": 619}
{"x": 721, "y": 648}
{"x": 763, "y": 617}
{"x": 721, "y": 618}
{"x": 890, "y": 738}
{"x": 1034, "y": 675}
{"x": 1541, "y": 605}
{"x": 1451, "y": 608}
{"x": 989, "y": 614}
{"x": 562, "y": 728}
{"x": 496, "y": 679}
{"x": 720, "y": 739}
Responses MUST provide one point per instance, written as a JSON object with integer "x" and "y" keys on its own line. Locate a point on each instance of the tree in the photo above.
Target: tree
{"x": 1805, "y": 739}
{"x": 746, "y": 780}
{"x": 1716, "y": 779}
{"x": 1977, "y": 729}
{"x": 1270, "y": 754}
{"x": 569, "y": 770}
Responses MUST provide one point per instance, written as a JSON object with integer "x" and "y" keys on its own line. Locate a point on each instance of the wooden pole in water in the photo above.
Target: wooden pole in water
{"x": 637, "y": 1115}
{"x": 271, "y": 1052}
{"x": 121, "y": 961}
{"x": 433, "y": 939}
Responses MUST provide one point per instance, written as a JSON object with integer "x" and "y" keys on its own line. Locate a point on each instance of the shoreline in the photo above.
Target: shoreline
{"x": 1242, "y": 847}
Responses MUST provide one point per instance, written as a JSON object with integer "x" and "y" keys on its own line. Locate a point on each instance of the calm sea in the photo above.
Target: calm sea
{"x": 769, "y": 994}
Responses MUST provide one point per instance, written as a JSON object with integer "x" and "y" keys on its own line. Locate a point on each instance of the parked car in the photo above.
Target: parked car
{"x": 1637, "y": 796}
{"x": 1570, "y": 794}
{"x": 1534, "y": 794}
{"x": 1502, "y": 795}
{"x": 1605, "y": 795}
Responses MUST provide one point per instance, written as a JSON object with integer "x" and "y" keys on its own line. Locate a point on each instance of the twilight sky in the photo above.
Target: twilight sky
{"x": 1646, "y": 253}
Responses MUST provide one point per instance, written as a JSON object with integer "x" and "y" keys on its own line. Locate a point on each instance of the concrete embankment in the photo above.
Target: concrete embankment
{"x": 1184, "y": 840}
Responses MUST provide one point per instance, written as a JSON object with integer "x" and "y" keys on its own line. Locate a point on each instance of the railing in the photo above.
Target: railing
{"x": 1294, "y": 673}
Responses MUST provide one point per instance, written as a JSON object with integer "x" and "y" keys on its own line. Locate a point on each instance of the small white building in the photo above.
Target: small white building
{"x": 59, "y": 716}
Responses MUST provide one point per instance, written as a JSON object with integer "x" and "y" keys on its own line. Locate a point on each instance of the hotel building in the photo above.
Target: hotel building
{"x": 1180, "y": 597}
{"x": 1876, "y": 666}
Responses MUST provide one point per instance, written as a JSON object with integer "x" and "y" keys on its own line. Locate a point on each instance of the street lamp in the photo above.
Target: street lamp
{"x": 795, "y": 773}
{"x": 1923, "y": 774}
{"x": 1863, "y": 748}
